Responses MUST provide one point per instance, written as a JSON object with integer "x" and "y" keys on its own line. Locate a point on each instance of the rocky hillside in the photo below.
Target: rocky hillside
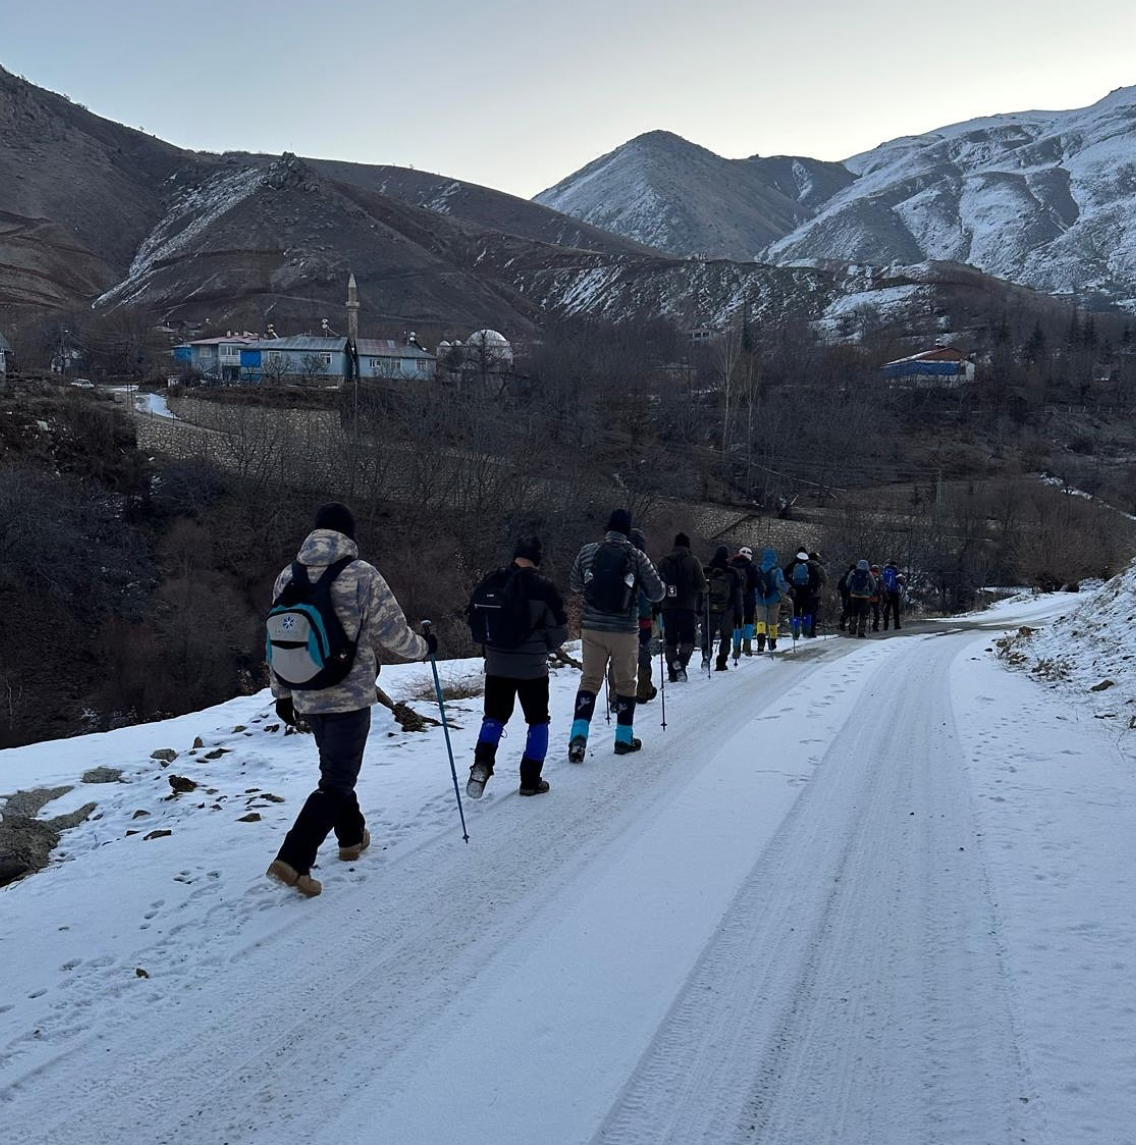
{"x": 1045, "y": 199}
{"x": 92, "y": 212}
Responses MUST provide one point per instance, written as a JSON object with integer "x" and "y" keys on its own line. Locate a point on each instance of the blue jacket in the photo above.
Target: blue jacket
{"x": 771, "y": 573}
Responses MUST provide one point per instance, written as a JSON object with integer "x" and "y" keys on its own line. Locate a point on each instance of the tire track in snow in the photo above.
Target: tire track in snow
{"x": 854, "y": 993}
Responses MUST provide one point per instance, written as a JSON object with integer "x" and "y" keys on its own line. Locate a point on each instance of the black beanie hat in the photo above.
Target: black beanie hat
{"x": 619, "y": 522}
{"x": 682, "y": 541}
{"x": 529, "y": 548}
{"x": 338, "y": 517}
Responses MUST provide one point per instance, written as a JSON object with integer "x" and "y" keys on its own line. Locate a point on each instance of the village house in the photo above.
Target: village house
{"x": 942, "y": 366}
{"x": 325, "y": 359}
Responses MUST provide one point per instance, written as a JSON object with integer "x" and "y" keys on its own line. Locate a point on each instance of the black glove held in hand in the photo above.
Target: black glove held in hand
{"x": 431, "y": 641}
{"x": 286, "y": 711}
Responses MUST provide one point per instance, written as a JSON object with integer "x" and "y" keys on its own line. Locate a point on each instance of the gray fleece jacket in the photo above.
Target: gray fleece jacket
{"x": 646, "y": 576}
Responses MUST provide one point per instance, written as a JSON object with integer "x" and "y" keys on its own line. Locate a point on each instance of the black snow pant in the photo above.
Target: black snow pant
{"x": 891, "y": 608}
{"x": 501, "y": 695}
{"x": 341, "y": 738}
{"x": 845, "y": 609}
{"x": 721, "y": 625}
{"x": 858, "y": 621}
{"x": 678, "y": 634}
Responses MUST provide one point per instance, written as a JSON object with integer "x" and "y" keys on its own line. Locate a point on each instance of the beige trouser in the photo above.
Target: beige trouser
{"x": 622, "y": 649}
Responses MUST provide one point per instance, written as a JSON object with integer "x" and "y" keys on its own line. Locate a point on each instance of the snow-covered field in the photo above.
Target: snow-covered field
{"x": 874, "y": 892}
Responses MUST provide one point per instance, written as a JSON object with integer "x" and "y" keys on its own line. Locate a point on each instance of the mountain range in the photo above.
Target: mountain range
{"x": 95, "y": 213}
{"x": 1046, "y": 199}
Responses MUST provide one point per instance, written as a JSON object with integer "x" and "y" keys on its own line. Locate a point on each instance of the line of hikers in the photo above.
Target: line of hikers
{"x": 864, "y": 590}
{"x": 332, "y": 612}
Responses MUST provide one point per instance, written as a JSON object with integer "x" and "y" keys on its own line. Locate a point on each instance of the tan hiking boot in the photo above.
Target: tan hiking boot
{"x": 290, "y": 877}
{"x": 350, "y": 854}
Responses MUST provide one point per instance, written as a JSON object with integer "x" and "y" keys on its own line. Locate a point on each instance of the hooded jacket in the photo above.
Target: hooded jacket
{"x": 772, "y": 576}
{"x": 646, "y": 577}
{"x": 368, "y": 611}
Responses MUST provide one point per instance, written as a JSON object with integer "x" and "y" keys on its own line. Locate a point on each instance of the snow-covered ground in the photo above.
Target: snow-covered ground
{"x": 874, "y": 892}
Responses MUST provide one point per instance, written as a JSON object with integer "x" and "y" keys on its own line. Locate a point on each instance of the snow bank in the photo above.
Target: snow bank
{"x": 1089, "y": 650}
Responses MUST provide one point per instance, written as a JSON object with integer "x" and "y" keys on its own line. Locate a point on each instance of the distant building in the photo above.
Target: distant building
{"x": 324, "y": 359}
{"x": 218, "y": 359}
{"x": 942, "y": 366}
{"x": 5, "y": 350}
{"x": 700, "y": 335}
{"x": 484, "y": 352}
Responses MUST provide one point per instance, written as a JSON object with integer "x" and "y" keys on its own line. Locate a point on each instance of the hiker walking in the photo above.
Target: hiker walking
{"x": 518, "y": 617}
{"x": 330, "y": 587}
{"x": 892, "y": 581}
{"x": 610, "y": 573}
{"x": 816, "y": 591}
{"x": 645, "y": 690}
{"x": 723, "y": 603}
{"x": 845, "y": 595}
{"x": 744, "y": 620}
{"x": 681, "y": 572}
{"x": 770, "y": 589}
{"x": 803, "y": 581}
{"x": 877, "y": 593}
{"x": 861, "y": 587}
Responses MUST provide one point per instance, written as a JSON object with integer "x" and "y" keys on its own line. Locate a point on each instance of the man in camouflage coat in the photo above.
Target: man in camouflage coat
{"x": 340, "y": 716}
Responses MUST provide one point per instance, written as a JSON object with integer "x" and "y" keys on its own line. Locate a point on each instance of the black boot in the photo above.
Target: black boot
{"x": 484, "y": 755}
{"x": 531, "y": 782}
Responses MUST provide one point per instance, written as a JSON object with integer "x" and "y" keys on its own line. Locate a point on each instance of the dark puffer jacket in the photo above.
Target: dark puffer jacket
{"x": 685, "y": 581}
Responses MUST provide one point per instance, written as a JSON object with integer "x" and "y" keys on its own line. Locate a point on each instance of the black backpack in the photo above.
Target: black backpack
{"x": 498, "y": 610}
{"x": 674, "y": 571}
{"x": 719, "y": 590}
{"x": 610, "y": 587}
{"x": 307, "y": 648}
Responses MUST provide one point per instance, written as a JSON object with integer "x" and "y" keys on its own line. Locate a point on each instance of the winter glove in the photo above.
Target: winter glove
{"x": 431, "y": 641}
{"x": 286, "y": 711}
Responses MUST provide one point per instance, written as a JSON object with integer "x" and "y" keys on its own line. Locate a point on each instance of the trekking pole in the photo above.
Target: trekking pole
{"x": 446, "y": 729}
{"x": 607, "y": 692}
{"x": 662, "y": 682}
{"x": 707, "y": 640}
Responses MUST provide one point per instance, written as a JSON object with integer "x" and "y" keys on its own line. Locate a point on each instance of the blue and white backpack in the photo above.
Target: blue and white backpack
{"x": 307, "y": 648}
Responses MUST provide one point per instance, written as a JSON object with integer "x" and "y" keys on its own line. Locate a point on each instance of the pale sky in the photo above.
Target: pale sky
{"x": 516, "y": 95}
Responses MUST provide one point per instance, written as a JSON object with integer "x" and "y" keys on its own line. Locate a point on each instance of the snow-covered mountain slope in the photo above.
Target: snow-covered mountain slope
{"x": 661, "y": 190}
{"x": 1046, "y": 199}
{"x": 874, "y": 891}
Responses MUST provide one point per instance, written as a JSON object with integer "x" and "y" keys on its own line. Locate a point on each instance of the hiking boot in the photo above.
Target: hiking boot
{"x": 576, "y": 750}
{"x": 540, "y": 787}
{"x": 622, "y": 747}
{"x": 290, "y": 877}
{"x": 479, "y": 776}
{"x": 721, "y": 666}
{"x": 350, "y": 854}
{"x": 772, "y": 644}
{"x": 680, "y": 676}
{"x": 747, "y": 647}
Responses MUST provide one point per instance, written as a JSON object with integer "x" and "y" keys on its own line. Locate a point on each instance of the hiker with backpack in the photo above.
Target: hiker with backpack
{"x": 861, "y": 588}
{"x": 645, "y": 690}
{"x": 816, "y": 593}
{"x": 744, "y": 620}
{"x": 331, "y": 614}
{"x": 804, "y": 585}
{"x": 518, "y": 617}
{"x": 610, "y": 574}
{"x": 685, "y": 582}
{"x": 845, "y": 596}
{"x": 770, "y": 589}
{"x": 877, "y": 594}
{"x": 892, "y": 581}
{"x": 723, "y": 602}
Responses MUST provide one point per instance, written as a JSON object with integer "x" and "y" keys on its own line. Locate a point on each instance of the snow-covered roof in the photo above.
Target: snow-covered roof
{"x": 939, "y": 354}
{"x": 243, "y": 339}
{"x": 488, "y": 338}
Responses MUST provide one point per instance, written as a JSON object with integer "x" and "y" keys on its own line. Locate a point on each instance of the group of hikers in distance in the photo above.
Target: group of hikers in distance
{"x": 332, "y": 612}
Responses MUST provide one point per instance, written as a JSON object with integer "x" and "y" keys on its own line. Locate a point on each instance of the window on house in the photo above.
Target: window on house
{"x": 325, "y": 359}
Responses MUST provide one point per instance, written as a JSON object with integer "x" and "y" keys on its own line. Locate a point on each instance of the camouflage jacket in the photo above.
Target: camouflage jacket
{"x": 367, "y": 609}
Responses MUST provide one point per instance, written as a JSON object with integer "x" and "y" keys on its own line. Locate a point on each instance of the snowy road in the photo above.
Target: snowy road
{"x": 851, "y": 896}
